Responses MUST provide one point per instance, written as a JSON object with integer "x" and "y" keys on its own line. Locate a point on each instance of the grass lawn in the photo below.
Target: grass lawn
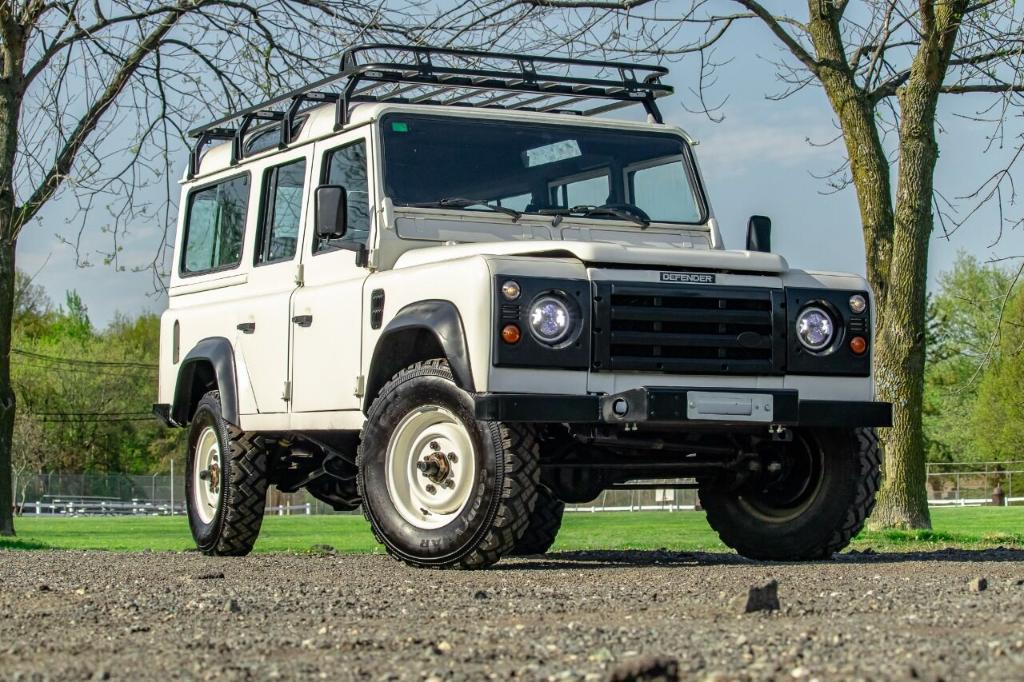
{"x": 970, "y": 527}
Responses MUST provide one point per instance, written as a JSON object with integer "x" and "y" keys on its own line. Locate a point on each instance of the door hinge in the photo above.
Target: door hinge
{"x": 360, "y": 386}
{"x": 300, "y": 275}
{"x": 286, "y": 395}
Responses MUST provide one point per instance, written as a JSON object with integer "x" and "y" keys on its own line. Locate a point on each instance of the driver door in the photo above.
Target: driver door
{"x": 327, "y": 311}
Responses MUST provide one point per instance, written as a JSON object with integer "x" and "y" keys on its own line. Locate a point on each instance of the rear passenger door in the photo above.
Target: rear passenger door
{"x": 327, "y": 309}
{"x": 263, "y": 326}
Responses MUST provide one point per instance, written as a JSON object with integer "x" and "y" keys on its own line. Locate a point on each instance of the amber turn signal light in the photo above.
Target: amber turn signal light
{"x": 510, "y": 334}
{"x": 858, "y": 345}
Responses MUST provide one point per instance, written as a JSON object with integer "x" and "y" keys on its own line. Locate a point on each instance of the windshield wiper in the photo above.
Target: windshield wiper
{"x": 455, "y": 202}
{"x": 588, "y": 211}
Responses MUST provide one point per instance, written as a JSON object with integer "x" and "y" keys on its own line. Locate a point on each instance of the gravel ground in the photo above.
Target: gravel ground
{"x": 81, "y": 615}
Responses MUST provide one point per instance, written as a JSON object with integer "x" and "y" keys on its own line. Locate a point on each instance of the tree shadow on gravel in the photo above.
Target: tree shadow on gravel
{"x": 16, "y": 543}
{"x": 660, "y": 557}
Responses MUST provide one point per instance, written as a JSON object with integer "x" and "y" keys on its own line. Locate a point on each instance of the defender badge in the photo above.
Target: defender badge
{"x": 688, "y": 277}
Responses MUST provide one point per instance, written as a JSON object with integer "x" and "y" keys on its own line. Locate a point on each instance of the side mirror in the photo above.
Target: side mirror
{"x": 331, "y": 210}
{"x": 759, "y": 234}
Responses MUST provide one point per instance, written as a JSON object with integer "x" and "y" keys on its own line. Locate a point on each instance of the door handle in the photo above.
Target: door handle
{"x": 303, "y": 320}
{"x": 246, "y": 327}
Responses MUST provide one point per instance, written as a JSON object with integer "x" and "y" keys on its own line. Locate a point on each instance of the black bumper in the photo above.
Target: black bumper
{"x": 669, "y": 406}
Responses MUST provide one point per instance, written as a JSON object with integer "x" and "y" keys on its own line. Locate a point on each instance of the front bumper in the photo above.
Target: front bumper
{"x": 669, "y": 406}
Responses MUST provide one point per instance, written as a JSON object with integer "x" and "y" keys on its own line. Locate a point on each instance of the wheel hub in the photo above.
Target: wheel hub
{"x": 212, "y": 477}
{"x": 430, "y": 467}
{"x": 206, "y": 484}
{"x": 435, "y": 465}
{"x": 787, "y": 479}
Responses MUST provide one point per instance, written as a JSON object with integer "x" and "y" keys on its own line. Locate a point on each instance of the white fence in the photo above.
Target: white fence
{"x": 953, "y": 484}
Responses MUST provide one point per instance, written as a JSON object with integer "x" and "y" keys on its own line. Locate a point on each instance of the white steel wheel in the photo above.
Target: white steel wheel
{"x": 206, "y": 475}
{"x": 431, "y": 467}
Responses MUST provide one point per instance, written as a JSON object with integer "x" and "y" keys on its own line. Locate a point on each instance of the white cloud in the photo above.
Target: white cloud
{"x": 737, "y": 145}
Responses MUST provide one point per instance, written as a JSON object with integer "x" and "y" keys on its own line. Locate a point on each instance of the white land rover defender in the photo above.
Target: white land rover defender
{"x": 440, "y": 286}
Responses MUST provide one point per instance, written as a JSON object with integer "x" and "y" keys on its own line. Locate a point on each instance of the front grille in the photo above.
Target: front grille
{"x": 692, "y": 329}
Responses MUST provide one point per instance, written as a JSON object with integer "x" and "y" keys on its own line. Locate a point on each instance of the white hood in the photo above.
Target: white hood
{"x": 596, "y": 253}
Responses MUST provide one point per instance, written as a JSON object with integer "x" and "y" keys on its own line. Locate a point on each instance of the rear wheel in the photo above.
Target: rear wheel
{"x": 440, "y": 488}
{"x": 226, "y": 484}
{"x": 545, "y": 521}
{"x": 809, "y": 498}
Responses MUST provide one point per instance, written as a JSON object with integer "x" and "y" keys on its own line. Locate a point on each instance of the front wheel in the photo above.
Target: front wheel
{"x": 226, "y": 483}
{"x": 809, "y": 498}
{"x": 440, "y": 488}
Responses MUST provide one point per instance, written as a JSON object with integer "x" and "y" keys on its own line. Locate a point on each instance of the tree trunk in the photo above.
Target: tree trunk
{"x": 7, "y": 248}
{"x": 899, "y": 363}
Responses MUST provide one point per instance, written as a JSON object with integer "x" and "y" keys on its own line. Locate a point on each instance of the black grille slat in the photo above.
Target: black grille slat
{"x": 661, "y": 313}
{"x": 691, "y": 329}
{"x": 687, "y": 340}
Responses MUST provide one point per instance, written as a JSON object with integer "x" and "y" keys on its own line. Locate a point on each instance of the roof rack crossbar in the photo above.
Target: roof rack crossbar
{"x": 465, "y": 75}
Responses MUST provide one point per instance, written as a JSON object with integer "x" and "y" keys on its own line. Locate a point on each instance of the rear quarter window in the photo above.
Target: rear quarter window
{"x": 215, "y": 226}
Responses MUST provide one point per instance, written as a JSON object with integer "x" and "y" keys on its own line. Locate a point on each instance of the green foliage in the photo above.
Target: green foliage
{"x": 998, "y": 423}
{"x": 963, "y": 317}
{"x": 84, "y": 396}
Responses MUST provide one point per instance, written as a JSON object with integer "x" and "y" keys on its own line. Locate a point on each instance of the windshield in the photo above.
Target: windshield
{"x": 475, "y": 165}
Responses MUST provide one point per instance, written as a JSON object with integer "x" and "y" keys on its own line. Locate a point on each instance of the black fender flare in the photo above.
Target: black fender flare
{"x": 442, "y": 320}
{"x": 217, "y": 352}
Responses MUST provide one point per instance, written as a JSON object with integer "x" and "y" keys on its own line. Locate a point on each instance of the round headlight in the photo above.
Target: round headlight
{"x": 550, "y": 319}
{"x": 858, "y": 304}
{"x": 815, "y": 328}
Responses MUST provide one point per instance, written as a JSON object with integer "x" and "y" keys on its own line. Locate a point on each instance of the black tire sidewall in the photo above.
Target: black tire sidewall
{"x": 207, "y": 535}
{"x": 807, "y": 535}
{"x": 445, "y": 545}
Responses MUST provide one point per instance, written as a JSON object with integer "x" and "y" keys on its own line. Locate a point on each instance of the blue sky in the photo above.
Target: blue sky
{"x": 757, "y": 160}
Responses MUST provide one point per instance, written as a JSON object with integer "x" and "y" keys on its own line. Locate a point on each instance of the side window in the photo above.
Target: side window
{"x": 347, "y": 167}
{"x": 215, "y": 226}
{"x": 281, "y": 209}
{"x": 665, "y": 193}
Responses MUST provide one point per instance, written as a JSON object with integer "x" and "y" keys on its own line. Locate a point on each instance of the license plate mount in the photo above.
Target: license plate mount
{"x": 735, "y": 407}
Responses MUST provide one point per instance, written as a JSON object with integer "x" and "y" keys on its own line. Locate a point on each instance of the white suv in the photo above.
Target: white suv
{"x": 439, "y": 286}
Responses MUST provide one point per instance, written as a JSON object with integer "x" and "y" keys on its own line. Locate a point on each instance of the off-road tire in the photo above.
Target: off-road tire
{"x": 545, "y": 521}
{"x": 508, "y": 471}
{"x": 236, "y": 524}
{"x": 845, "y": 498}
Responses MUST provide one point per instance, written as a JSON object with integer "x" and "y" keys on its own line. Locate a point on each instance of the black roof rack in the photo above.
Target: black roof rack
{"x": 450, "y": 77}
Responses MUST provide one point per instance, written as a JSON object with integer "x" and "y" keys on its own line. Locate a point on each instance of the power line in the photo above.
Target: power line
{"x": 104, "y": 420}
{"x": 115, "y": 372}
{"x": 79, "y": 361}
{"x": 89, "y": 414}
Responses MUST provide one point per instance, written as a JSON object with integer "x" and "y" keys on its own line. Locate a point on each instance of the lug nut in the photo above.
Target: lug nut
{"x": 431, "y": 489}
{"x": 453, "y": 458}
{"x": 434, "y": 446}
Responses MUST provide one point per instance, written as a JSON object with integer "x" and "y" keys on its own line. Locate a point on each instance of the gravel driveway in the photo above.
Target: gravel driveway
{"x": 81, "y": 615}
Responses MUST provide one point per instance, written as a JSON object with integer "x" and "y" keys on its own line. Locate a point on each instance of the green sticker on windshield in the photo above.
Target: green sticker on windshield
{"x": 400, "y": 126}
